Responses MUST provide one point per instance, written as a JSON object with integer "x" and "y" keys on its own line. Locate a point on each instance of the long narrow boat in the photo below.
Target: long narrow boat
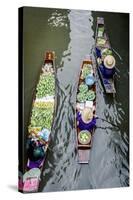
{"x": 102, "y": 46}
{"x": 40, "y": 126}
{"x": 86, "y": 98}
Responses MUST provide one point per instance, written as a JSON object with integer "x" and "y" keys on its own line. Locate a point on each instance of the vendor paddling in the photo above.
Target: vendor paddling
{"x": 106, "y": 62}
{"x": 86, "y": 119}
{"x": 108, "y": 66}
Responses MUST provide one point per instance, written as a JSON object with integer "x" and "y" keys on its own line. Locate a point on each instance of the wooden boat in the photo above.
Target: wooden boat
{"x": 102, "y": 43}
{"x": 85, "y": 147}
{"x": 41, "y": 122}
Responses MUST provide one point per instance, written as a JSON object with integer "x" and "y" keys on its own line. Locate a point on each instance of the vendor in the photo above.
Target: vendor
{"x": 85, "y": 119}
{"x": 107, "y": 66}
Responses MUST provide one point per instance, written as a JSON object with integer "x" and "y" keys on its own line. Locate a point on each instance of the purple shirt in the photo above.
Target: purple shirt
{"x": 107, "y": 73}
{"x": 35, "y": 164}
{"x": 85, "y": 126}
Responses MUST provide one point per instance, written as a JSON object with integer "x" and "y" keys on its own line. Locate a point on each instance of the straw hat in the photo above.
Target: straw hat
{"x": 109, "y": 62}
{"x": 87, "y": 114}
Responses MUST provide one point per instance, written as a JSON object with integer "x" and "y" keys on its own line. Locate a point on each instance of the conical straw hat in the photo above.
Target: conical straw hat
{"x": 109, "y": 62}
{"x": 87, "y": 114}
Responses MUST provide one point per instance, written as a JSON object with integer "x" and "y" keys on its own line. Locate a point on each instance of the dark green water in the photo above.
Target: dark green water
{"x": 70, "y": 33}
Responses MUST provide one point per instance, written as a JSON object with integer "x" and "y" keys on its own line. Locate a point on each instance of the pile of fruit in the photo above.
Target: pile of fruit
{"x": 86, "y": 70}
{"x": 100, "y": 31}
{"x": 83, "y": 88}
{"x": 42, "y": 117}
{"x": 42, "y": 111}
{"x": 106, "y": 52}
{"x": 85, "y": 94}
{"x": 84, "y": 137}
{"x": 88, "y": 96}
{"x": 46, "y": 86}
{"x": 101, "y": 41}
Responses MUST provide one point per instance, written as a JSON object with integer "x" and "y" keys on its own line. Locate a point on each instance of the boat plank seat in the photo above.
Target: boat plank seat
{"x": 83, "y": 156}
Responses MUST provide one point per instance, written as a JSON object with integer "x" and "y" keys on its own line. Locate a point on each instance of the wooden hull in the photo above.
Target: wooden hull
{"x": 84, "y": 150}
{"x": 108, "y": 83}
{"x": 31, "y": 179}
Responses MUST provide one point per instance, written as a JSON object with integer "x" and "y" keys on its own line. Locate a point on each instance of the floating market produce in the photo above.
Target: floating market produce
{"x": 84, "y": 137}
{"x": 86, "y": 71}
{"x": 46, "y": 85}
{"x": 83, "y": 88}
{"x": 84, "y": 96}
{"x": 104, "y": 56}
{"x": 85, "y": 119}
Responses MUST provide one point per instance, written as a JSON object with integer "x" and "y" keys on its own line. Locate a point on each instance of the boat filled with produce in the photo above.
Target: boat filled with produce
{"x": 85, "y": 110}
{"x": 106, "y": 63}
{"x": 40, "y": 126}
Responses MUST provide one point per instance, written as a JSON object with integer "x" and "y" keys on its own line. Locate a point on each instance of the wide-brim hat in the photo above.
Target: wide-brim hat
{"x": 87, "y": 114}
{"x": 109, "y": 61}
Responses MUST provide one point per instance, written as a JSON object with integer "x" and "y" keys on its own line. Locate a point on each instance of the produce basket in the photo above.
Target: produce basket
{"x": 84, "y": 137}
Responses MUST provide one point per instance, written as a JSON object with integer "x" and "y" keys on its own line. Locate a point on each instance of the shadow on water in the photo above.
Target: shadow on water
{"x": 70, "y": 33}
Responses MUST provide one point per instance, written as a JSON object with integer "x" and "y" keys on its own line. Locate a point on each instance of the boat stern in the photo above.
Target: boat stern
{"x": 83, "y": 156}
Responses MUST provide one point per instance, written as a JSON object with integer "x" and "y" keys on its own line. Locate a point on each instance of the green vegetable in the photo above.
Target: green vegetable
{"x": 81, "y": 97}
{"x": 86, "y": 71}
{"x": 106, "y": 52}
{"x": 101, "y": 29}
{"x": 84, "y": 96}
{"x": 46, "y": 86}
{"x": 90, "y": 95}
{"x": 84, "y": 137}
{"x": 83, "y": 88}
{"x": 42, "y": 117}
{"x": 101, "y": 41}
